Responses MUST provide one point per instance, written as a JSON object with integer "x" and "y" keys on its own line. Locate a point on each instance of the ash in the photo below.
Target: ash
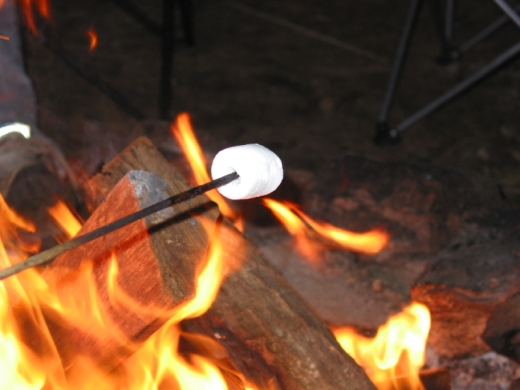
{"x": 489, "y": 371}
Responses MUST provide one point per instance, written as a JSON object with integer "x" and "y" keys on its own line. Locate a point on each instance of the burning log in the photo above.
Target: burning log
{"x": 268, "y": 331}
{"x": 142, "y": 253}
{"x": 463, "y": 288}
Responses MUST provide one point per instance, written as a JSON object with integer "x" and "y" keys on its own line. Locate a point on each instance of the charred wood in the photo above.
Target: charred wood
{"x": 502, "y": 331}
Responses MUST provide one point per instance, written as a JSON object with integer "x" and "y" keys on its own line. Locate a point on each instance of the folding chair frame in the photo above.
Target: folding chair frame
{"x": 389, "y": 135}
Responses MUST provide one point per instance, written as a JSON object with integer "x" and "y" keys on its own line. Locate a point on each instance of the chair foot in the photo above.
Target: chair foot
{"x": 385, "y": 135}
{"x": 449, "y": 56}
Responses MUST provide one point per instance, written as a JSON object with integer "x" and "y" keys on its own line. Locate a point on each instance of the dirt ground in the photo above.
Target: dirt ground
{"x": 303, "y": 77}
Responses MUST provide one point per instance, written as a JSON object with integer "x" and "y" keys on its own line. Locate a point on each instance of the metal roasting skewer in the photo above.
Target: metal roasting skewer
{"x": 49, "y": 254}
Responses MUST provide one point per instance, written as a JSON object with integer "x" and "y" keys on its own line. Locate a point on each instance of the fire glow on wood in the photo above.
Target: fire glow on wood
{"x": 26, "y": 299}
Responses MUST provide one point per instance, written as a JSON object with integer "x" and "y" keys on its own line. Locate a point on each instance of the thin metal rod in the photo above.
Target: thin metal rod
{"x": 187, "y": 21}
{"x": 459, "y": 88}
{"x": 509, "y": 11}
{"x": 167, "y": 48}
{"x": 493, "y": 27}
{"x": 448, "y": 23}
{"x": 440, "y": 24}
{"x": 49, "y": 254}
{"x": 402, "y": 49}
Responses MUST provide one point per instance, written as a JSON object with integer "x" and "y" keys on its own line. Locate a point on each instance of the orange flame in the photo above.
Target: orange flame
{"x": 19, "y": 310}
{"x": 4, "y": 37}
{"x": 182, "y": 130}
{"x": 65, "y": 218}
{"x": 93, "y": 37}
{"x": 161, "y": 348}
{"x": 28, "y": 9}
{"x": 156, "y": 364}
{"x": 297, "y": 224}
{"x": 394, "y": 357}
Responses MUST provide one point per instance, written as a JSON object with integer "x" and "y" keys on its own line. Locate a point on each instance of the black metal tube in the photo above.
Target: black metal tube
{"x": 448, "y": 23}
{"x": 49, "y": 254}
{"x": 509, "y": 11}
{"x": 493, "y": 27}
{"x": 440, "y": 25}
{"x": 167, "y": 47}
{"x": 459, "y": 88}
{"x": 187, "y": 21}
{"x": 402, "y": 49}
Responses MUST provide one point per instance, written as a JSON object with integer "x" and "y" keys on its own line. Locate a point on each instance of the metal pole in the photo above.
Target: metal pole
{"x": 167, "y": 47}
{"x": 509, "y": 11}
{"x": 402, "y": 49}
{"x": 459, "y": 88}
{"x": 448, "y": 24}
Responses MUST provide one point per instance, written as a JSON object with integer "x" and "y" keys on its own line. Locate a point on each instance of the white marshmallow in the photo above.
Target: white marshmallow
{"x": 260, "y": 171}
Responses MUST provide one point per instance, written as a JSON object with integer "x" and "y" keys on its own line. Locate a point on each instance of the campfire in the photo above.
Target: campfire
{"x": 120, "y": 313}
{"x": 186, "y": 298}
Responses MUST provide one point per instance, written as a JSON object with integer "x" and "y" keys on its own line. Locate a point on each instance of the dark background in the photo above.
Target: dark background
{"x": 251, "y": 78}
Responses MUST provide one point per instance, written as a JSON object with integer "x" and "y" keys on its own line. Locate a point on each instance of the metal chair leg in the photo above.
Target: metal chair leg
{"x": 167, "y": 48}
{"x": 187, "y": 21}
{"x": 444, "y": 30}
{"x": 384, "y": 134}
{"x": 459, "y": 88}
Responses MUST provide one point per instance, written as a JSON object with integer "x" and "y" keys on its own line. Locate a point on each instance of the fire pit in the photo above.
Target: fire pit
{"x": 189, "y": 302}
{"x": 227, "y": 297}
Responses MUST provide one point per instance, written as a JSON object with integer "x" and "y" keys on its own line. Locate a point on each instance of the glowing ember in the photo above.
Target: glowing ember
{"x": 299, "y": 225}
{"x": 182, "y": 130}
{"x": 394, "y": 357}
{"x": 93, "y": 37}
{"x": 4, "y": 37}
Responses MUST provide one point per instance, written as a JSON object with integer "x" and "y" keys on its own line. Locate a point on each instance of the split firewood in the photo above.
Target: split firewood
{"x": 463, "y": 288}
{"x": 269, "y": 333}
{"x": 143, "y": 252}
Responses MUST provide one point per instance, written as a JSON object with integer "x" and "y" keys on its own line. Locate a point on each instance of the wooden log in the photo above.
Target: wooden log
{"x": 435, "y": 379}
{"x": 270, "y": 334}
{"x": 502, "y": 331}
{"x": 463, "y": 288}
{"x": 143, "y": 251}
